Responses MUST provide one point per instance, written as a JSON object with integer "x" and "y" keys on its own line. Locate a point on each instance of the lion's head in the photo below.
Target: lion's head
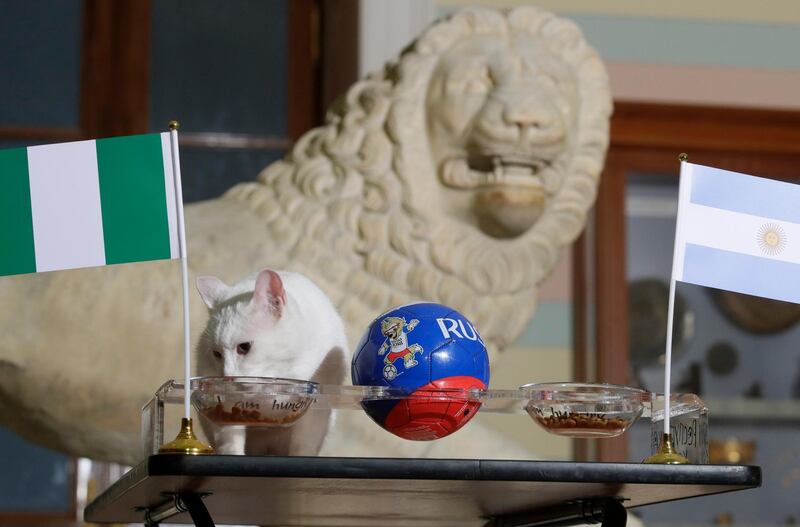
{"x": 457, "y": 172}
{"x": 510, "y": 101}
{"x": 500, "y": 109}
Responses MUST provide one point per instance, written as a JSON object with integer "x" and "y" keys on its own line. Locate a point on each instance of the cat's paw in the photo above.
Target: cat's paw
{"x": 229, "y": 442}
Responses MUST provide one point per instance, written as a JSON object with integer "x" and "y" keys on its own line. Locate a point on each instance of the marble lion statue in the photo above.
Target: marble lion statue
{"x": 454, "y": 175}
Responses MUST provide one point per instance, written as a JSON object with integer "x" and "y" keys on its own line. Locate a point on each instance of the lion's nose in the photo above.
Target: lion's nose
{"x": 527, "y": 117}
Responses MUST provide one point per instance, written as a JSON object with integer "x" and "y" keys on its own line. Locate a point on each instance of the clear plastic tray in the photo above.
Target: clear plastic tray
{"x": 281, "y": 402}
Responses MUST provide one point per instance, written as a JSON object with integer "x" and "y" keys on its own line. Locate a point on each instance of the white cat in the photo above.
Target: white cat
{"x": 273, "y": 324}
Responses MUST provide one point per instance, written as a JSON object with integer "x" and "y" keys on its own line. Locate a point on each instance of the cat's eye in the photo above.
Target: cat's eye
{"x": 243, "y": 348}
{"x": 217, "y": 354}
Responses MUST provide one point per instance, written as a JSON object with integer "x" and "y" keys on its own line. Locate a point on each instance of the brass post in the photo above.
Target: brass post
{"x": 666, "y": 454}
{"x": 186, "y": 442}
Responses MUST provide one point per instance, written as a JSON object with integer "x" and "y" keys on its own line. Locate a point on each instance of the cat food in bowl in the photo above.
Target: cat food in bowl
{"x": 584, "y": 410}
{"x": 253, "y": 401}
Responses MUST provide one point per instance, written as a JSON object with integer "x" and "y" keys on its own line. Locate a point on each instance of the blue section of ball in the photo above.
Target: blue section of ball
{"x": 412, "y": 346}
{"x": 379, "y": 410}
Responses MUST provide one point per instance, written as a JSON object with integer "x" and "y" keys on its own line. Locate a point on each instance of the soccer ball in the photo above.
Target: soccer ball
{"x": 422, "y": 349}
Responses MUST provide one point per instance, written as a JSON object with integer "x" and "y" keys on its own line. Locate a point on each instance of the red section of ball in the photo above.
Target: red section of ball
{"x": 432, "y": 412}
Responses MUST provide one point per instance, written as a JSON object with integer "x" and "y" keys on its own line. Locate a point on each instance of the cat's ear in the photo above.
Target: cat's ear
{"x": 269, "y": 292}
{"x": 212, "y": 290}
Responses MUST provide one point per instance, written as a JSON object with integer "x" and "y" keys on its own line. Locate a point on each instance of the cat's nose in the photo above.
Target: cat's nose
{"x": 230, "y": 364}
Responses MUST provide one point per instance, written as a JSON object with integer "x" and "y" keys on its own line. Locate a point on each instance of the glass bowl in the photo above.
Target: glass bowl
{"x": 253, "y": 401}
{"x": 584, "y": 410}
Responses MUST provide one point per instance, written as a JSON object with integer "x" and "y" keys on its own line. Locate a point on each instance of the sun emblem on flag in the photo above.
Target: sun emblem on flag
{"x": 771, "y": 238}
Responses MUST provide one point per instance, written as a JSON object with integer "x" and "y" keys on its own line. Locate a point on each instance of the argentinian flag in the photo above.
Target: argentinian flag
{"x": 738, "y": 232}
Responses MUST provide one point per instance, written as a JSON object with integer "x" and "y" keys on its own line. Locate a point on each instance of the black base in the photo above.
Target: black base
{"x": 319, "y": 491}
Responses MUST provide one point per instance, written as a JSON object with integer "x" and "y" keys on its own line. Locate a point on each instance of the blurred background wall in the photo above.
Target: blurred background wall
{"x": 714, "y": 52}
{"x": 246, "y": 78}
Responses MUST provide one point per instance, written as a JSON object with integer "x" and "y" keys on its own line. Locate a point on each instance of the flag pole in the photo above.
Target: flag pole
{"x": 185, "y": 442}
{"x": 666, "y": 454}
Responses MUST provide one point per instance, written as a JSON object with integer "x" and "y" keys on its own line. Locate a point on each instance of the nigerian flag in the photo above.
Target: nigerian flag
{"x": 87, "y": 203}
